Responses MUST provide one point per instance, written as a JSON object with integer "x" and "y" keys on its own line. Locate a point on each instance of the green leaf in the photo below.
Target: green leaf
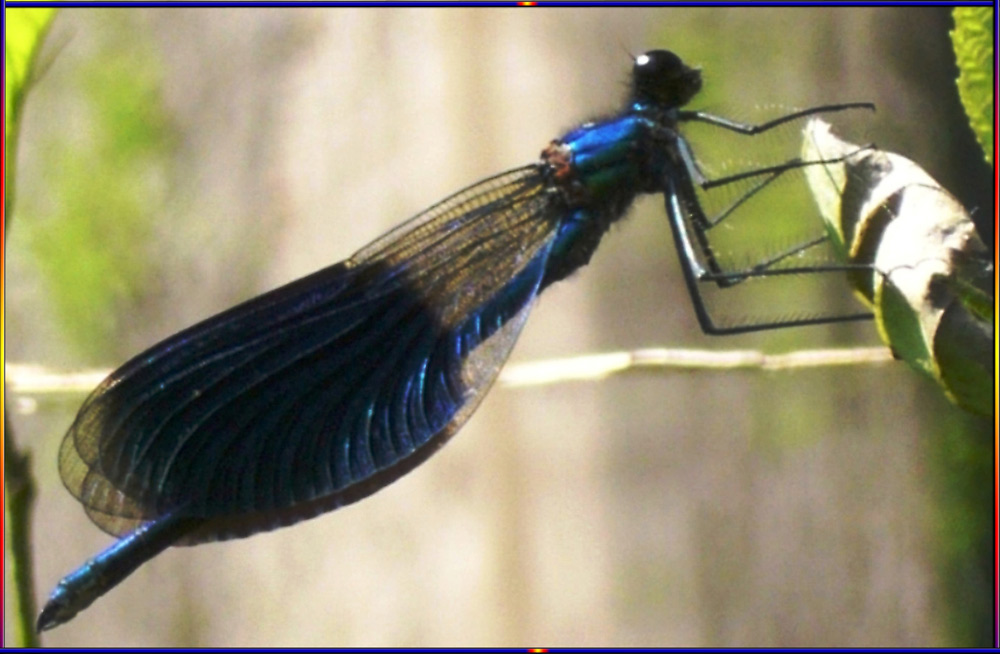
{"x": 104, "y": 182}
{"x": 921, "y": 265}
{"x": 26, "y": 29}
{"x": 963, "y": 349}
{"x": 972, "y": 39}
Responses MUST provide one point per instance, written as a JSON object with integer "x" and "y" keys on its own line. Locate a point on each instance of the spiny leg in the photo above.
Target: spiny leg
{"x": 751, "y": 130}
{"x": 690, "y": 224}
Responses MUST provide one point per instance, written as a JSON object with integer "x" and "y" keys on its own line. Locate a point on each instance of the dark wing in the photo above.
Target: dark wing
{"x": 322, "y": 391}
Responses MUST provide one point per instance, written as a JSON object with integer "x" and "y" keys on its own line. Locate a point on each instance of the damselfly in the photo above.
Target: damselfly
{"x": 321, "y": 392}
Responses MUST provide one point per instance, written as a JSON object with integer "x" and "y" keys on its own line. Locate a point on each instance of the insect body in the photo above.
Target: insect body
{"x": 323, "y": 391}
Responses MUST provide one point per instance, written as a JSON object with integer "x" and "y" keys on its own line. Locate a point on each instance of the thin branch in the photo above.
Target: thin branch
{"x": 29, "y": 379}
{"x": 594, "y": 367}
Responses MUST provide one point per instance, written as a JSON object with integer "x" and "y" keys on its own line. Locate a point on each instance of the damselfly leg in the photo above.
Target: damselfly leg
{"x": 697, "y": 204}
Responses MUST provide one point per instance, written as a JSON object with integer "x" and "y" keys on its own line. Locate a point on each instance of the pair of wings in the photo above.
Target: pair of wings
{"x": 320, "y": 392}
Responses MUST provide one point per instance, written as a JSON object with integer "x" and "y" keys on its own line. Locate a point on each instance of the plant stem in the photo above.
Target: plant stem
{"x": 20, "y": 494}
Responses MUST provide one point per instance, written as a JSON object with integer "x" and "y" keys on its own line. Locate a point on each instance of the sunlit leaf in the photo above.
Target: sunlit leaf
{"x": 922, "y": 267}
{"x": 972, "y": 39}
{"x": 25, "y": 31}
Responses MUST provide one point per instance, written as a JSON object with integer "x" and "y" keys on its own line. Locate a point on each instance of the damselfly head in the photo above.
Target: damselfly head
{"x": 660, "y": 77}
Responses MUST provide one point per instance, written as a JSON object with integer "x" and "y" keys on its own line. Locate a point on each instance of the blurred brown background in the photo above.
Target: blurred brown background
{"x": 816, "y": 508}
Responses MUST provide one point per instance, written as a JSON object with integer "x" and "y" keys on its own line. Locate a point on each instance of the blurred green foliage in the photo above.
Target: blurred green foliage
{"x": 961, "y": 475}
{"x": 106, "y": 181}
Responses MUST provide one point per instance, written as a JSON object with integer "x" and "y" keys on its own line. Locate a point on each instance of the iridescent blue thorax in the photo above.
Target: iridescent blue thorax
{"x": 598, "y": 169}
{"x": 622, "y": 153}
